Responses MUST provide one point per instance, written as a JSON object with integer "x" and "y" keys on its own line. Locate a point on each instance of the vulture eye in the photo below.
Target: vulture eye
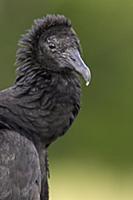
{"x": 52, "y": 46}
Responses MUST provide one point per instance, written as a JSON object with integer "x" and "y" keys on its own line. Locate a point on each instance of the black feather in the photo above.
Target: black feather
{"x": 38, "y": 108}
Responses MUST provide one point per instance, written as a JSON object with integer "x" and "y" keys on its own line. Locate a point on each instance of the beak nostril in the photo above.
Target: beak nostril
{"x": 73, "y": 59}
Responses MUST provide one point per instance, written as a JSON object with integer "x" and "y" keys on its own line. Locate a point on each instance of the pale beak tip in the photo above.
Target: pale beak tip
{"x": 87, "y": 83}
{"x": 87, "y": 75}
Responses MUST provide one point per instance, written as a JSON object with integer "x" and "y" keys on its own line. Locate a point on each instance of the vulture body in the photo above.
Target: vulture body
{"x": 39, "y": 107}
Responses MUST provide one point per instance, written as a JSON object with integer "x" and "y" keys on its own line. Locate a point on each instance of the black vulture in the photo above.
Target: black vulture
{"x": 39, "y": 107}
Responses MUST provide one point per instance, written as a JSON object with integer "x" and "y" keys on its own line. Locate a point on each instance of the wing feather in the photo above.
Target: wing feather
{"x": 20, "y": 174}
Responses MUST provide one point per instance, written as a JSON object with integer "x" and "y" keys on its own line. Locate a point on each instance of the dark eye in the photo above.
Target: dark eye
{"x": 52, "y": 46}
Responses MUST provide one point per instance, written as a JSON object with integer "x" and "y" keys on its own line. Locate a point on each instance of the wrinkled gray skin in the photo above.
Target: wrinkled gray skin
{"x": 39, "y": 107}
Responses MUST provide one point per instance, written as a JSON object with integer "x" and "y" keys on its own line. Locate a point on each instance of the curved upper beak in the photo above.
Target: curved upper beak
{"x": 78, "y": 65}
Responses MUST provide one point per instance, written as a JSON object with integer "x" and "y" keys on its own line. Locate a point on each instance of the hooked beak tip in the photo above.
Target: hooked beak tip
{"x": 86, "y": 74}
{"x": 78, "y": 65}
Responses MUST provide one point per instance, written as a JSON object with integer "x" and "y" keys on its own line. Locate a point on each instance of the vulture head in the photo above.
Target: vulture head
{"x": 52, "y": 44}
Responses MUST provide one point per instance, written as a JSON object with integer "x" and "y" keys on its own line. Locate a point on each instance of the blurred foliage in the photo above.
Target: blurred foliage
{"x": 103, "y": 130}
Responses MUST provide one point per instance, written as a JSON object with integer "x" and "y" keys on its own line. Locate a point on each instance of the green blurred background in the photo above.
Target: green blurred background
{"x": 95, "y": 159}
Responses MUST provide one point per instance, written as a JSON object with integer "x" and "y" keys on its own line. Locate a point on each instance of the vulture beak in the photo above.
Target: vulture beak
{"x": 77, "y": 63}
